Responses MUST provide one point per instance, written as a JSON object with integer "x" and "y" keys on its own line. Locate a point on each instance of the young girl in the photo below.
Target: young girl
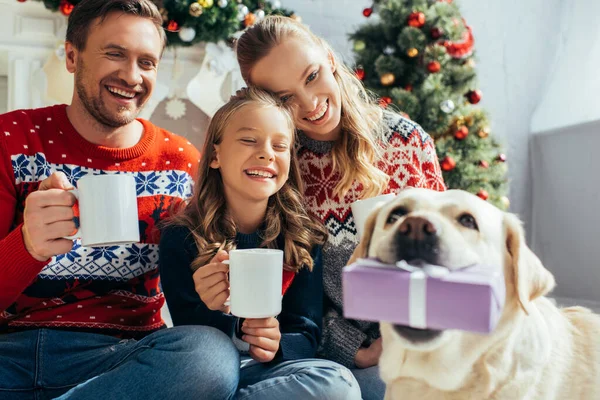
{"x": 349, "y": 149}
{"x": 248, "y": 195}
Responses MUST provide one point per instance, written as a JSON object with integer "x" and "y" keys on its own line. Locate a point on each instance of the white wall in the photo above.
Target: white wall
{"x": 515, "y": 42}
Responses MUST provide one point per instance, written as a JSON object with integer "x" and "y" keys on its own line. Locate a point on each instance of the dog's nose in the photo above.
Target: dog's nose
{"x": 417, "y": 228}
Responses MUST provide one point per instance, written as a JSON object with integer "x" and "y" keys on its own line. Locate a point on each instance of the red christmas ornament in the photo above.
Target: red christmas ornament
{"x": 367, "y": 12}
{"x": 483, "y": 194}
{"x": 21, "y": 1}
{"x": 461, "y": 133}
{"x": 408, "y": 87}
{"x": 66, "y": 8}
{"x": 474, "y": 96}
{"x": 360, "y": 73}
{"x": 436, "y": 33}
{"x": 448, "y": 164}
{"x": 416, "y": 19}
{"x": 173, "y": 26}
{"x": 434, "y": 67}
{"x": 384, "y": 101}
{"x": 462, "y": 48}
{"x": 501, "y": 157}
{"x": 484, "y": 164}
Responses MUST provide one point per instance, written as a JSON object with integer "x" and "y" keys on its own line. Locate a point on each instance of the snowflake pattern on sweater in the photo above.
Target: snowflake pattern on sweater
{"x": 112, "y": 289}
{"x": 409, "y": 159}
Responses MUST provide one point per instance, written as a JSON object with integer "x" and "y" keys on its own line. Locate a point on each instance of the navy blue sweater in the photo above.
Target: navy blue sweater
{"x": 302, "y": 304}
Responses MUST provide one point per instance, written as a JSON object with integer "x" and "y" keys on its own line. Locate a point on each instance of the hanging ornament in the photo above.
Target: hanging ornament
{"x": 387, "y": 79}
{"x": 484, "y": 132}
{"x": 448, "y": 164}
{"x": 359, "y": 45}
{"x": 173, "y": 26}
{"x": 501, "y": 157}
{"x": 206, "y": 3}
{"x": 21, "y": 1}
{"x": 474, "y": 96}
{"x": 249, "y": 19}
{"x": 484, "y": 164}
{"x": 222, "y": 3}
{"x": 416, "y": 19}
{"x": 447, "y": 106}
{"x": 242, "y": 11}
{"x": 195, "y": 10}
{"x": 175, "y": 108}
{"x": 483, "y": 194}
{"x": 434, "y": 67}
{"x": 408, "y": 87}
{"x": 65, "y": 7}
{"x": 436, "y": 32}
{"x": 505, "y": 202}
{"x": 367, "y": 12}
{"x": 360, "y": 73}
{"x": 412, "y": 52}
{"x": 276, "y": 4}
{"x": 470, "y": 63}
{"x": 461, "y": 133}
{"x": 462, "y": 48}
{"x": 389, "y": 50}
{"x": 469, "y": 120}
{"x": 187, "y": 33}
{"x": 385, "y": 101}
{"x": 296, "y": 18}
{"x": 260, "y": 14}
{"x": 165, "y": 14}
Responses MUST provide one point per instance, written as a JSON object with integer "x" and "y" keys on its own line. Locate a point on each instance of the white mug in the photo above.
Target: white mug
{"x": 255, "y": 282}
{"x": 108, "y": 213}
{"x": 362, "y": 208}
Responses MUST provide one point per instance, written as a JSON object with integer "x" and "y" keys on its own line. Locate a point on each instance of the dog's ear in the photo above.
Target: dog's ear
{"x": 531, "y": 279}
{"x": 362, "y": 249}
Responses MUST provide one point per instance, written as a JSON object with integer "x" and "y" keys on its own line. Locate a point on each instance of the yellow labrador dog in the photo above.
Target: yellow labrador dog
{"x": 537, "y": 351}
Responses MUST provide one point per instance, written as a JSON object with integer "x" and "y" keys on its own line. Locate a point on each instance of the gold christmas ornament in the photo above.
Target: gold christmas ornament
{"x": 412, "y": 52}
{"x": 165, "y": 14}
{"x": 206, "y": 3}
{"x": 387, "y": 79}
{"x": 505, "y": 202}
{"x": 359, "y": 45}
{"x": 483, "y": 132}
{"x": 469, "y": 120}
{"x": 195, "y": 9}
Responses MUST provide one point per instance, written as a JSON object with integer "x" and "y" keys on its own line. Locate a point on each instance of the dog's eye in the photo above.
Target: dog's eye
{"x": 396, "y": 214}
{"x": 468, "y": 221}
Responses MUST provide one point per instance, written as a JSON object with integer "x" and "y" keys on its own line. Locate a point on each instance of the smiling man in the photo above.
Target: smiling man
{"x": 79, "y": 322}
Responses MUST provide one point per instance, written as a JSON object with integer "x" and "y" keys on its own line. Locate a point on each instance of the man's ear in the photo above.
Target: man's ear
{"x": 362, "y": 250}
{"x": 531, "y": 280}
{"x": 71, "y": 57}
{"x": 214, "y": 162}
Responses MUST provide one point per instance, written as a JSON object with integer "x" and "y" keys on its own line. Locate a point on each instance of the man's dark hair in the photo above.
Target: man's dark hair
{"x": 87, "y": 11}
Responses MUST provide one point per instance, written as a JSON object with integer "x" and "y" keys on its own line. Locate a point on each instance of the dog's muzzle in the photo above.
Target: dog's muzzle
{"x": 417, "y": 238}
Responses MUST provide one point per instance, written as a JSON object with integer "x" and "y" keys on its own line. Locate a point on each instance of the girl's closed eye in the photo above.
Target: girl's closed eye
{"x": 248, "y": 140}
{"x": 281, "y": 146}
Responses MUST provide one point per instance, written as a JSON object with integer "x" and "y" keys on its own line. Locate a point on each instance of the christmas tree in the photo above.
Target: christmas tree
{"x": 188, "y": 22}
{"x": 418, "y": 58}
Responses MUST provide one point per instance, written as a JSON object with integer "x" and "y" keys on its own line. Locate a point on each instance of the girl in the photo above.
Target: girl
{"x": 349, "y": 149}
{"x": 248, "y": 195}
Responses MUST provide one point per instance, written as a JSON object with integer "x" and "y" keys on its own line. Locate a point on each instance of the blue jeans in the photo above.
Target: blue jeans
{"x": 298, "y": 379}
{"x": 371, "y": 385}
{"x": 187, "y": 362}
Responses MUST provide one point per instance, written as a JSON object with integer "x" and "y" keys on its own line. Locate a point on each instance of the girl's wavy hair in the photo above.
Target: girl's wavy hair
{"x": 358, "y": 150}
{"x": 206, "y": 216}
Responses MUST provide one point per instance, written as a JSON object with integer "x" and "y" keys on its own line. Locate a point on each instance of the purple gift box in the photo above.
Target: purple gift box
{"x": 469, "y": 299}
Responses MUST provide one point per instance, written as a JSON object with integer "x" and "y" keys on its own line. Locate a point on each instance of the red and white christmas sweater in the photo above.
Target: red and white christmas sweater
{"x": 409, "y": 159}
{"x": 115, "y": 289}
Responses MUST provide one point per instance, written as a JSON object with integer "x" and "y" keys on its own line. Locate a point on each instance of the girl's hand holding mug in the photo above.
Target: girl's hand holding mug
{"x": 263, "y": 336}
{"x": 212, "y": 284}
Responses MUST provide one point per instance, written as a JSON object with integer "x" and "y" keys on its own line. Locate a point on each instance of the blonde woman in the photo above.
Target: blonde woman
{"x": 349, "y": 149}
{"x": 249, "y": 195}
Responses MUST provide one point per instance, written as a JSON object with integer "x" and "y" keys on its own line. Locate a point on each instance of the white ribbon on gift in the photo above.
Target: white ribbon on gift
{"x": 417, "y": 290}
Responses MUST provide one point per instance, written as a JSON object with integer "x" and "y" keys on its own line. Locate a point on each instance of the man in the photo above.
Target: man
{"x": 82, "y": 322}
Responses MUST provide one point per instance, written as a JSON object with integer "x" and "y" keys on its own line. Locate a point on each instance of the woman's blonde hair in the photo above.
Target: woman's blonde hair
{"x": 206, "y": 214}
{"x": 358, "y": 150}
